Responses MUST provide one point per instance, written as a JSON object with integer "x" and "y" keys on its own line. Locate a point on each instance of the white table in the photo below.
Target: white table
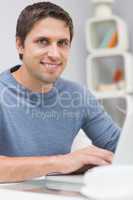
{"x": 36, "y": 189}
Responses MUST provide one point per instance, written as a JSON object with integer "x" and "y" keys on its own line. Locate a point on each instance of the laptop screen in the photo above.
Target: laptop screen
{"x": 124, "y": 150}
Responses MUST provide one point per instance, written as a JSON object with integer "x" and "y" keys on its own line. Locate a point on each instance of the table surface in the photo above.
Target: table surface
{"x": 63, "y": 191}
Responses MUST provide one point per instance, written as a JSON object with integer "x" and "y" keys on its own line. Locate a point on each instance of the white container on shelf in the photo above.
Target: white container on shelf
{"x": 102, "y": 7}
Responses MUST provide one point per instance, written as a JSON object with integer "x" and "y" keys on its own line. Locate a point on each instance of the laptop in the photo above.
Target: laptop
{"x": 123, "y": 156}
{"x": 124, "y": 150}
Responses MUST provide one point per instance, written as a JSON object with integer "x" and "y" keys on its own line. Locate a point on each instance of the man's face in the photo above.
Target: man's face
{"x": 46, "y": 49}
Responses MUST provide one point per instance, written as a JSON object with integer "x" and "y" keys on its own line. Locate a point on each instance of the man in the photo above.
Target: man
{"x": 41, "y": 113}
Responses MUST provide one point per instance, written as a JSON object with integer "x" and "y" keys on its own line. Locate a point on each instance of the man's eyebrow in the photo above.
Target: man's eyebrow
{"x": 49, "y": 39}
{"x": 41, "y": 38}
{"x": 64, "y": 39}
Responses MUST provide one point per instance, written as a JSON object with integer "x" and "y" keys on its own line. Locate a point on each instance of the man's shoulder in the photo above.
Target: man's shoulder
{"x": 4, "y": 76}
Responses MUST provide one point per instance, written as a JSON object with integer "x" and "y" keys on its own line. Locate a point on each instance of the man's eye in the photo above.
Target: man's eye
{"x": 42, "y": 42}
{"x": 64, "y": 43}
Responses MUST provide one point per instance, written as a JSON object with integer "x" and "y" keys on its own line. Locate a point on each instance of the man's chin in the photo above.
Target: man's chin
{"x": 49, "y": 80}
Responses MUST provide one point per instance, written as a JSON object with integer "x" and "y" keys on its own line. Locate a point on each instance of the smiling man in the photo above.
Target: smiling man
{"x": 41, "y": 113}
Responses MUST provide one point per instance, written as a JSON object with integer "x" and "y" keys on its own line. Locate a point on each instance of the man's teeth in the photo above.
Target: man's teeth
{"x": 50, "y": 65}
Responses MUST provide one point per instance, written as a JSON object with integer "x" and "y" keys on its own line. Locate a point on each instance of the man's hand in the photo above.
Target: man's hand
{"x": 84, "y": 159}
{"x": 15, "y": 169}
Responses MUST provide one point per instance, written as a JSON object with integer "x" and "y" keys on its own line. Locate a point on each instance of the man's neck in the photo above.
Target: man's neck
{"x": 30, "y": 83}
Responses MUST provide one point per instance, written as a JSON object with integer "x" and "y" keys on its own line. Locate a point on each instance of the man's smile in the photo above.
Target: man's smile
{"x": 50, "y": 66}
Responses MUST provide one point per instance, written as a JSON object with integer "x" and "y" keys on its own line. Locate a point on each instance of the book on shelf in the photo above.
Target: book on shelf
{"x": 118, "y": 75}
{"x": 110, "y": 39}
{"x": 113, "y": 40}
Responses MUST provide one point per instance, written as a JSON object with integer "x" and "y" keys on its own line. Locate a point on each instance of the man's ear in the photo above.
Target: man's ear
{"x": 19, "y": 45}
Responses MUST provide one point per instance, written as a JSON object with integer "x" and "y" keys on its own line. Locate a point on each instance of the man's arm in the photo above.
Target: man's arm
{"x": 15, "y": 169}
{"x": 98, "y": 125}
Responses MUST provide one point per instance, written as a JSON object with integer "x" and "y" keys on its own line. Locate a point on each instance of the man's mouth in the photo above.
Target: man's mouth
{"x": 50, "y": 65}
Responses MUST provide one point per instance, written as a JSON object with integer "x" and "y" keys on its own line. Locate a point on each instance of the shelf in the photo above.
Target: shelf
{"x": 110, "y": 73}
{"x": 107, "y": 95}
{"x": 106, "y": 33}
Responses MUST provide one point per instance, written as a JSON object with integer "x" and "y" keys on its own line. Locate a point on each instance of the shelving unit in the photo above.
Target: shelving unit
{"x": 109, "y": 64}
{"x": 101, "y": 28}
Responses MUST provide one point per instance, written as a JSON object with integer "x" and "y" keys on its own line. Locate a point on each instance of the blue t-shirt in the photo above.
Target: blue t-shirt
{"x": 35, "y": 124}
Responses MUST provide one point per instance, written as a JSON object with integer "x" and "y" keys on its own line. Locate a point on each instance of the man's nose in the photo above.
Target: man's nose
{"x": 53, "y": 51}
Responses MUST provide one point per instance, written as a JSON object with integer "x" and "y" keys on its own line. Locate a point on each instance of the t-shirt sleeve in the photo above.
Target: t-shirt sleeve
{"x": 98, "y": 125}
